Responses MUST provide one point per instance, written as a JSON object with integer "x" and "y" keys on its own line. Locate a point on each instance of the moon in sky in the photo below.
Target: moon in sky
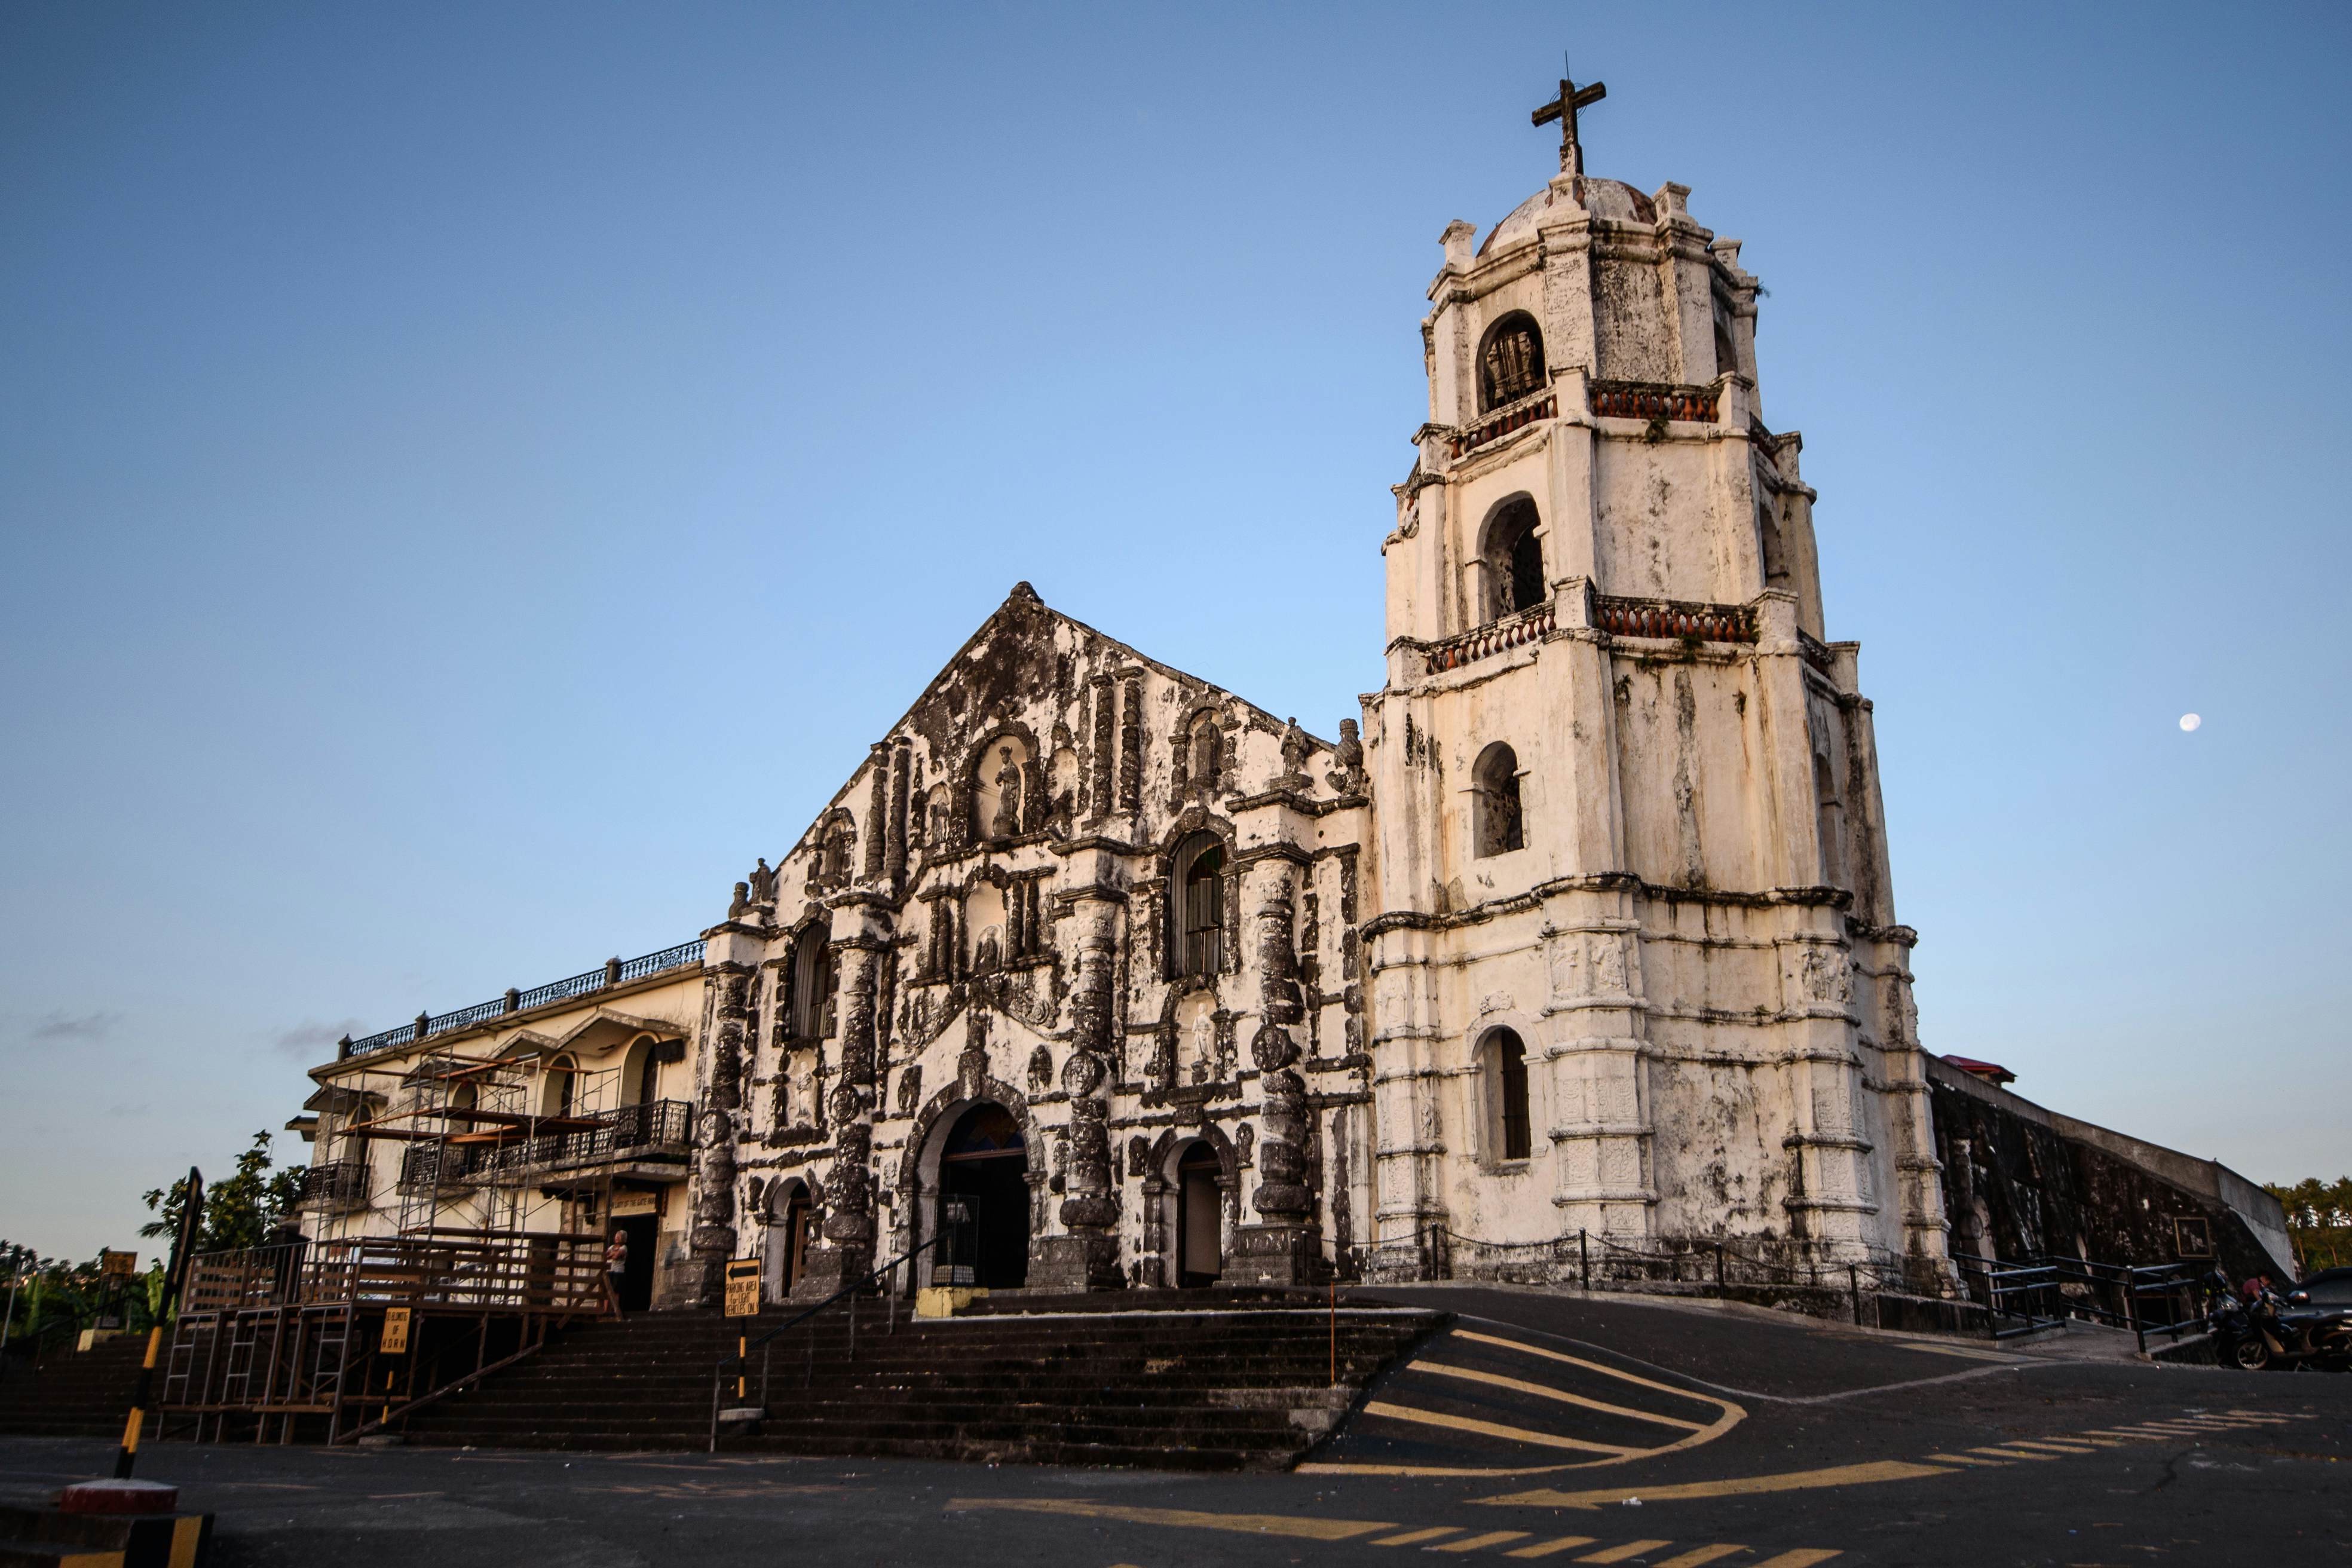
{"x": 2190, "y": 721}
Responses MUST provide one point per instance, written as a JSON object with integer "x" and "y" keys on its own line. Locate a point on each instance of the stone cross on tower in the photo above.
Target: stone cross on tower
{"x": 1563, "y": 109}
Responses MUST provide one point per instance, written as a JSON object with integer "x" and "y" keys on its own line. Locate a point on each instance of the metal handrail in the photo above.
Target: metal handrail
{"x": 741, "y": 1359}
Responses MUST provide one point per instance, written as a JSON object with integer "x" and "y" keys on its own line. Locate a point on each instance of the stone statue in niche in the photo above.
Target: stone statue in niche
{"x": 763, "y": 883}
{"x": 1245, "y": 1145}
{"x": 1041, "y": 1070}
{"x": 938, "y": 829}
{"x": 1138, "y": 1156}
{"x": 911, "y": 1090}
{"x": 987, "y": 954}
{"x": 1008, "y": 797}
{"x": 1204, "y": 1050}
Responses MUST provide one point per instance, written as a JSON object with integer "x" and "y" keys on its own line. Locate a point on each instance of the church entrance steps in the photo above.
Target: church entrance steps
{"x": 71, "y": 1394}
{"x": 1153, "y": 1380}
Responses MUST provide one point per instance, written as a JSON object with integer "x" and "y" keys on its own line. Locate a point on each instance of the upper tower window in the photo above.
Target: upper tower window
{"x": 1511, "y": 362}
{"x": 1496, "y": 819}
{"x": 1514, "y": 557}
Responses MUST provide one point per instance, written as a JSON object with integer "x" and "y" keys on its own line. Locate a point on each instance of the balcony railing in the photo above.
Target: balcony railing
{"x": 657, "y": 1130}
{"x": 1503, "y": 421}
{"x": 1511, "y": 631}
{"x": 1648, "y": 400}
{"x": 616, "y": 972}
{"x": 336, "y": 1182}
{"x": 1673, "y": 619}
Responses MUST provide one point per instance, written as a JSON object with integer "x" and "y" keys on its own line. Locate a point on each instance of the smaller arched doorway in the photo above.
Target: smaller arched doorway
{"x": 791, "y": 1219}
{"x": 984, "y": 1166}
{"x": 1200, "y": 1206}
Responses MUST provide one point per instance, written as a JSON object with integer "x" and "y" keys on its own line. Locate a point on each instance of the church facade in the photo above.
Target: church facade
{"x": 1095, "y": 975}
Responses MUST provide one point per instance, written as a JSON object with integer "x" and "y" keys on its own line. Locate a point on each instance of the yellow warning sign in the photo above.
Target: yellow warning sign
{"x": 395, "y": 1332}
{"x": 743, "y": 1287}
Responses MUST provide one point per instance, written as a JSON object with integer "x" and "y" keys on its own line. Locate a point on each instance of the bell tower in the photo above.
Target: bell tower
{"x": 1626, "y": 796}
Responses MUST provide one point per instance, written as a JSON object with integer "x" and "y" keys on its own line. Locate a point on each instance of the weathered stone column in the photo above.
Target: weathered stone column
{"x": 712, "y": 1241}
{"x": 1087, "y": 1259}
{"x": 894, "y": 854}
{"x": 849, "y": 1248}
{"x": 1284, "y": 1247}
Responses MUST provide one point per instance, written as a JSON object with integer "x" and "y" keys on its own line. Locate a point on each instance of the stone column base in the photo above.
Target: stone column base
{"x": 826, "y": 1269}
{"x": 1086, "y": 1261}
{"x": 1276, "y": 1255}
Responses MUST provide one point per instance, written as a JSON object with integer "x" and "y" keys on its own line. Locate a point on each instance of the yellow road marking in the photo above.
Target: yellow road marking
{"x": 2061, "y": 1446}
{"x": 1789, "y": 1481}
{"x": 1492, "y": 1538}
{"x": 1803, "y": 1557}
{"x": 1698, "y": 1555}
{"x": 1545, "y": 1548}
{"x": 1415, "y": 1537}
{"x": 2005, "y": 1453}
{"x": 1470, "y": 1374}
{"x": 2098, "y": 1440}
{"x": 1965, "y": 1459}
{"x": 1619, "y": 1553}
{"x": 1237, "y": 1523}
{"x": 1497, "y": 1429}
{"x": 1592, "y": 1366}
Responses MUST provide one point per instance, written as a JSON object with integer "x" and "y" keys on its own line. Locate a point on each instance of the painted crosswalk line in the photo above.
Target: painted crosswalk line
{"x": 1697, "y": 1417}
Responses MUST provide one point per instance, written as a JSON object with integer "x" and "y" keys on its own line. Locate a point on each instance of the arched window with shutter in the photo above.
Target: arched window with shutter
{"x": 1496, "y": 823}
{"x": 1507, "y": 1077}
{"x": 1196, "y": 906}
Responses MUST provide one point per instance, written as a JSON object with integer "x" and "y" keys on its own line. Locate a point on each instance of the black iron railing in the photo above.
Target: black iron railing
{"x": 615, "y": 972}
{"x": 336, "y": 1182}
{"x": 656, "y": 1129}
{"x": 2043, "y": 1293}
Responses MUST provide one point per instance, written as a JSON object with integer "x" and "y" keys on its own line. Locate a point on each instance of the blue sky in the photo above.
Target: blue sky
{"x": 473, "y": 478}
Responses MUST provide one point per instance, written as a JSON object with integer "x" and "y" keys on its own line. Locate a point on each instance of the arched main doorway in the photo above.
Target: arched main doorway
{"x": 986, "y": 1166}
{"x": 1200, "y": 1251}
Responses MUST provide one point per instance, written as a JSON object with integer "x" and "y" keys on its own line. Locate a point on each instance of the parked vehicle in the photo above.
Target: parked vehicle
{"x": 2255, "y": 1327}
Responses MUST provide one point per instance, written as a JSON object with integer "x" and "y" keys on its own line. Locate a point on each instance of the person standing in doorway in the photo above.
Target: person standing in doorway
{"x": 616, "y": 1263}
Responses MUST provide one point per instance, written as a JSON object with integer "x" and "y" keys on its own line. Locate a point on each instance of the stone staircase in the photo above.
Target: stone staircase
{"x": 1144, "y": 1379}
{"x": 71, "y": 1394}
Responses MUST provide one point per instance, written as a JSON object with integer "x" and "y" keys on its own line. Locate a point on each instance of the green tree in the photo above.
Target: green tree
{"x": 239, "y": 1210}
{"x": 2318, "y": 1221}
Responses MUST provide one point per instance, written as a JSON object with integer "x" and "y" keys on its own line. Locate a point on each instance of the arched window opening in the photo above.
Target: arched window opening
{"x": 1198, "y": 907}
{"x": 812, "y": 984}
{"x": 563, "y": 1087}
{"x": 1770, "y": 546}
{"x": 1497, "y": 820}
{"x": 1507, "y": 1065}
{"x": 1511, "y": 362}
{"x": 1514, "y": 560}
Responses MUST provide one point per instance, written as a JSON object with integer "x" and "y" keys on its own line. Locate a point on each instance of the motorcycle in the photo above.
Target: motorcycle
{"x": 2255, "y": 1328}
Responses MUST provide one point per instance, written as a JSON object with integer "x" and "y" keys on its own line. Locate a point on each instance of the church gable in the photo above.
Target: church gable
{"x": 1040, "y": 729}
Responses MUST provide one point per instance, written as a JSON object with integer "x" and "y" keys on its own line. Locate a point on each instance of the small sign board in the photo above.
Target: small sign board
{"x": 2192, "y": 1237}
{"x": 743, "y": 1287}
{"x": 635, "y": 1203}
{"x": 395, "y": 1332}
{"x": 113, "y": 1264}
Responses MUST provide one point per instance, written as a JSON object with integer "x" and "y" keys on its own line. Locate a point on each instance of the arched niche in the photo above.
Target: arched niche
{"x": 1502, "y": 1057}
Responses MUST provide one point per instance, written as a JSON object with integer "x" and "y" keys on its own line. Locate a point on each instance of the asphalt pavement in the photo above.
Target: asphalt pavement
{"x": 1541, "y": 1428}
